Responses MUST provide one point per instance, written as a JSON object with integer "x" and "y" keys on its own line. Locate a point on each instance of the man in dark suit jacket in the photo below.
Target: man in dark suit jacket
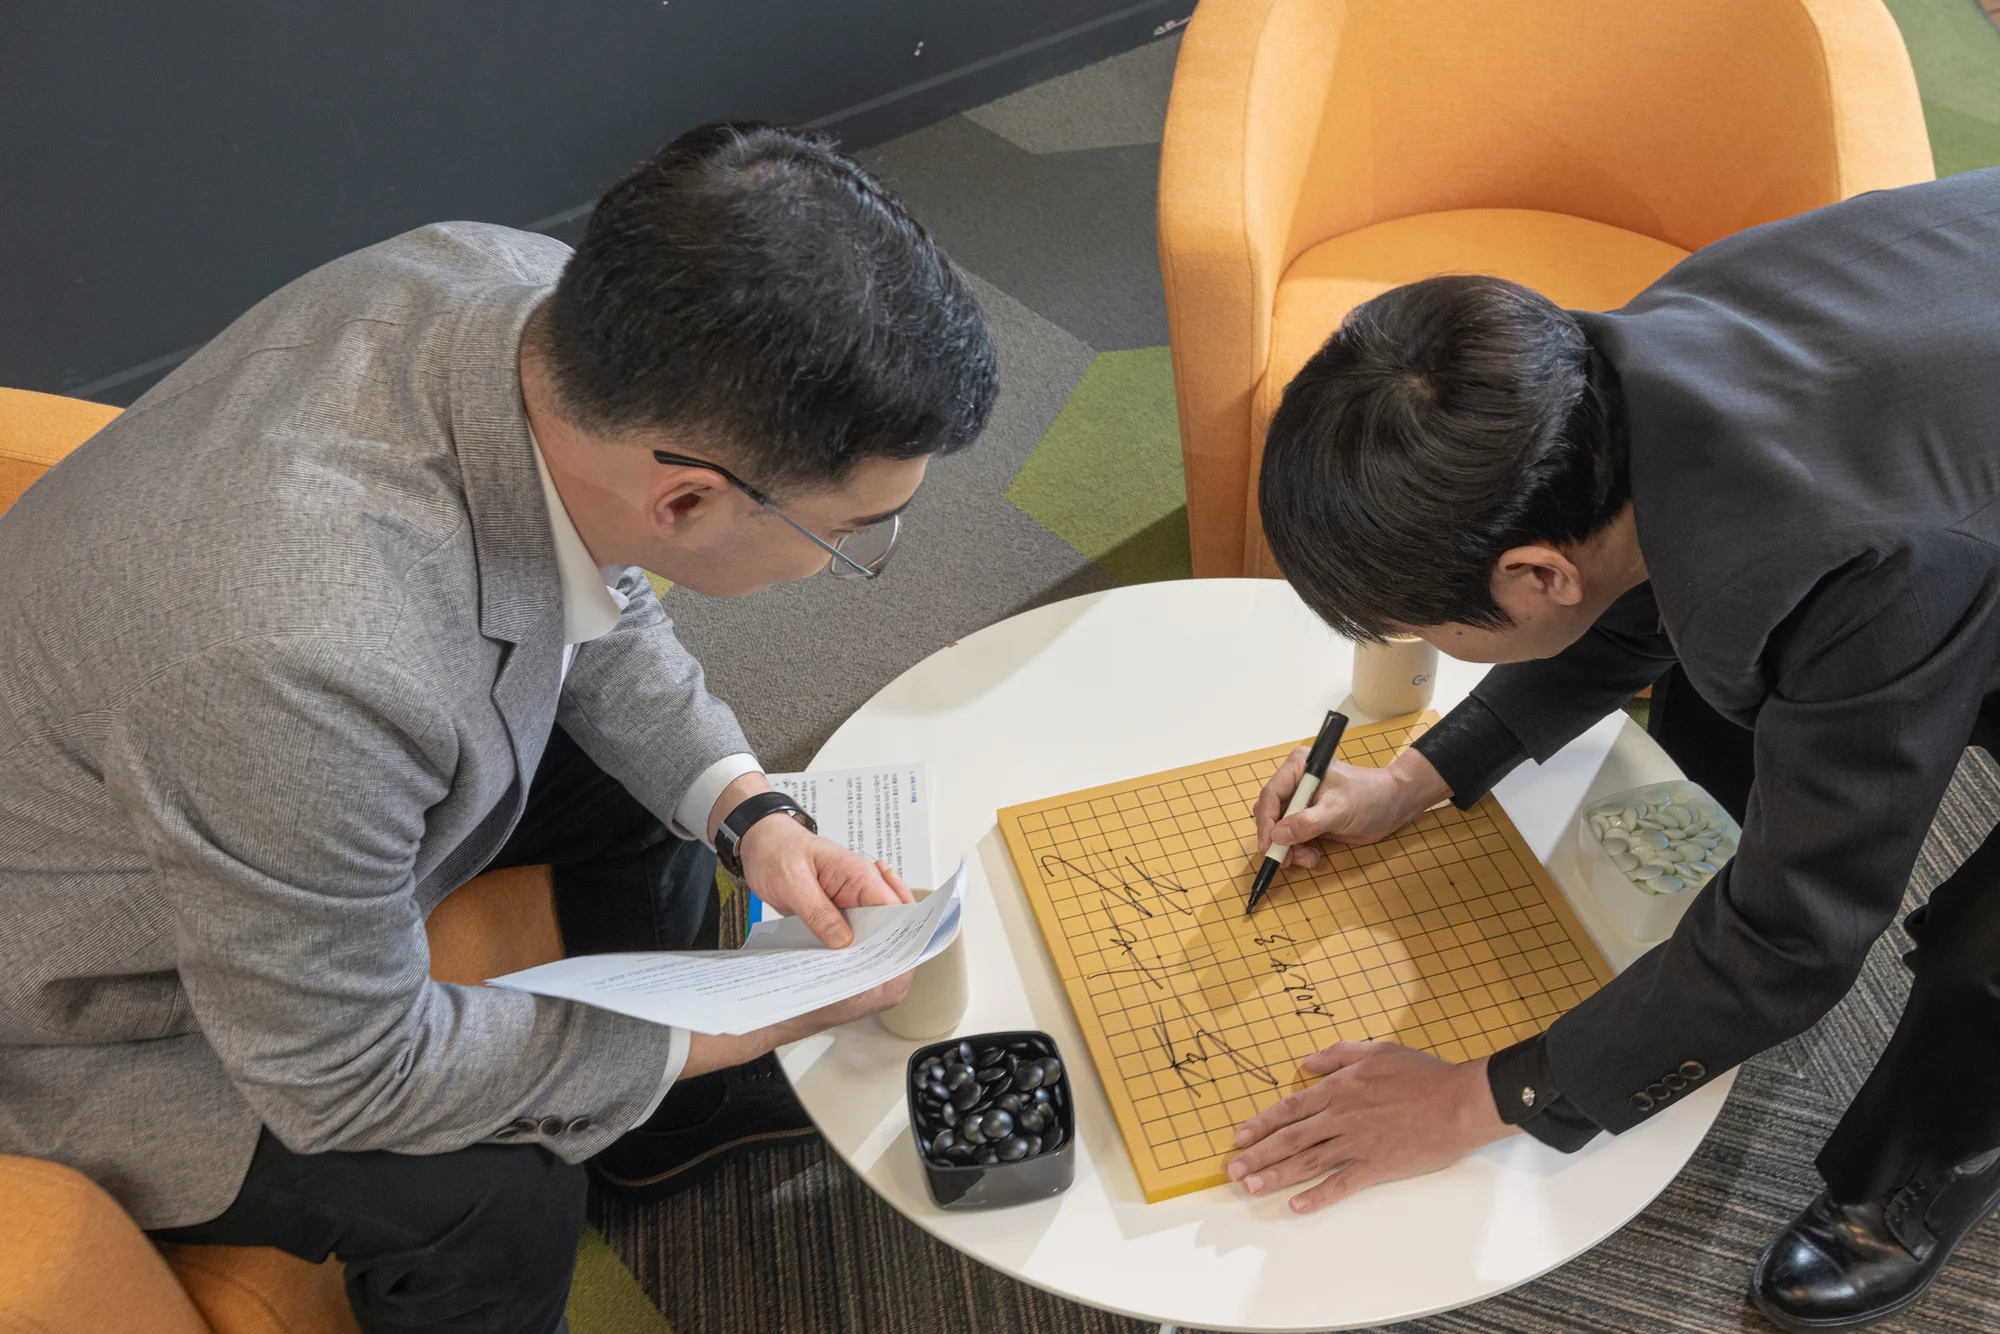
{"x": 1771, "y": 483}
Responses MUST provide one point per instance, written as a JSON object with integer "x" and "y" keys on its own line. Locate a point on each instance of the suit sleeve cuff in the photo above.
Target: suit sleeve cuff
{"x": 1471, "y": 749}
{"x": 1526, "y": 1095}
{"x": 678, "y": 1043}
{"x": 691, "y": 816}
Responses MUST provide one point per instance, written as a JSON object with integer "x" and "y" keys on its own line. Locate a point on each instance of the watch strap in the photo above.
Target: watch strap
{"x": 729, "y": 834}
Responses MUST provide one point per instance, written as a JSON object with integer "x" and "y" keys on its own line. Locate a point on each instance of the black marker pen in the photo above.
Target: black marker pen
{"x": 1317, "y": 761}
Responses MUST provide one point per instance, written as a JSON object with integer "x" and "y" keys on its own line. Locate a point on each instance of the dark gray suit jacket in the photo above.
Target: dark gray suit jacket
{"x": 1814, "y": 413}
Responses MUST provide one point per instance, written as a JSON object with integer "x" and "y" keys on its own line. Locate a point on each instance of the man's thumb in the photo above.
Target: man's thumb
{"x": 1303, "y": 827}
{"x": 827, "y": 923}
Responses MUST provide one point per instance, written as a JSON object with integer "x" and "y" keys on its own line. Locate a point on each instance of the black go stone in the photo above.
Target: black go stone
{"x": 1027, "y": 1076}
{"x": 1053, "y": 1139}
{"x": 972, "y": 1130}
{"x": 964, "y": 1096}
{"x": 991, "y": 1056}
{"x": 1013, "y": 1148}
{"x": 941, "y": 1144}
{"x": 1010, "y": 1103}
{"x": 966, "y": 1054}
{"x": 996, "y": 1124}
{"x": 936, "y": 1091}
{"x": 1052, "y": 1071}
{"x": 1034, "y": 1145}
{"x": 987, "y": 1154}
{"x": 956, "y": 1075}
{"x": 1031, "y": 1119}
{"x": 947, "y": 1114}
{"x": 1044, "y": 1096}
{"x": 996, "y": 1074}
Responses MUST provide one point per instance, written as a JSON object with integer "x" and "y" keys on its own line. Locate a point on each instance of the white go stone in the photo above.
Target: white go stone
{"x": 1662, "y": 845}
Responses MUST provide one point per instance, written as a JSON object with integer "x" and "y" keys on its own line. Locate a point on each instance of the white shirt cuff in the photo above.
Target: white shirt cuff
{"x": 678, "y": 1043}
{"x": 691, "y": 816}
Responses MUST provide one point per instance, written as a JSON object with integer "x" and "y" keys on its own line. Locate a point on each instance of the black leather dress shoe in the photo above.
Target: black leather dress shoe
{"x": 701, "y": 1124}
{"x": 1842, "y": 1265}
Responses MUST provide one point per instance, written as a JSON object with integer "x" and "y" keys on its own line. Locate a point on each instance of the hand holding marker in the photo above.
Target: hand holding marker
{"x": 1317, "y": 761}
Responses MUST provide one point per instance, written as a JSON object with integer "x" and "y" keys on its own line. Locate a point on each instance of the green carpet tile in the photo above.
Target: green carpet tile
{"x": 1107, "y": 477}
{"x": 604, "y": 1298}
{"x": 1047, "y": 199}
{"x": 1955, "y": 47}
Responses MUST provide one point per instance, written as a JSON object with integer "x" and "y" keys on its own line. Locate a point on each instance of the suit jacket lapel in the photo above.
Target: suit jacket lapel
{"x": 520, "y": 590}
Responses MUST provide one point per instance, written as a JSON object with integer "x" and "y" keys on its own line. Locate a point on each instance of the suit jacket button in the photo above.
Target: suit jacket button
{"x": 551, "y": 1125}
{"x": 526, "y": 1125}
{"x": 1658, "y": 1092}
{"x": 1673, "y": 1081}
{"x": 505, "y": 1132}
{"x": 579, "y": 1124}
{"x": 1693, "y": 1070}
{"x": 1527, "y": 1096}
{"x": 1643, "y": 1101}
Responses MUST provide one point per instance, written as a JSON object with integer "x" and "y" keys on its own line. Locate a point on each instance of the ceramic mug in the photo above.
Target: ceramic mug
{"x": 1395, "y": 677}
{"x": 937, "y": 993}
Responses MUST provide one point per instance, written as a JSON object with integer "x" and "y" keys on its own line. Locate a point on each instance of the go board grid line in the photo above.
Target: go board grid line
{"x": 1450, "y": 983}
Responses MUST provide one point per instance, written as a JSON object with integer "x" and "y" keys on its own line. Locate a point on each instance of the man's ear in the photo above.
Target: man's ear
{"x": 1529, "y": 578}
{"x": 682, "y": 498}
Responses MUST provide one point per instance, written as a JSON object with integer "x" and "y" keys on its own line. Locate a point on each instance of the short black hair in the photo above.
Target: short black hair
{"x": 751, "y": 284}
{"x": 1443, "y": 423}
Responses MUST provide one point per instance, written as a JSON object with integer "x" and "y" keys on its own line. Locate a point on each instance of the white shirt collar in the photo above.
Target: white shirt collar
{"x": 590, "y": 604}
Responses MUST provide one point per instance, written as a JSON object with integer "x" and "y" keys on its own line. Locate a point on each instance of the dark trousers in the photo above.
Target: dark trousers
{"x": 482, "y": 1241}
{"x": 1933, "y": 1098}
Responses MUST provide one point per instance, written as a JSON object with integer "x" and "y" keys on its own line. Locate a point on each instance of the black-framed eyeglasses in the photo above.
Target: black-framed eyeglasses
{"x": 859, "y": 555}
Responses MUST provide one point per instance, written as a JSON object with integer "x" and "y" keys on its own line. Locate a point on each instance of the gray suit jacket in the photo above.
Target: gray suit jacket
{"x": 1814, "y": 415}
{"x": 279, "y": 651}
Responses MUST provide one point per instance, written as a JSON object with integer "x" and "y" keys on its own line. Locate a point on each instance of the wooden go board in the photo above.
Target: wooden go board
{"x": 1448, "y": 936}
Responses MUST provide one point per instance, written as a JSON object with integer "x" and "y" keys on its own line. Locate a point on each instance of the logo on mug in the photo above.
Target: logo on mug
{"x": 1421, "y": 678}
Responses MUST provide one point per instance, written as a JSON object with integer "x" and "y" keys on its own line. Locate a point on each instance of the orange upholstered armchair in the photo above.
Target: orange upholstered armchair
{"x": 1319, "y": 152}
{"x": 71, "y": 1261}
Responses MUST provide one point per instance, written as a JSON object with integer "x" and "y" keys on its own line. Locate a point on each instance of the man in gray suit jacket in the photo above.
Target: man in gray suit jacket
{"x": 349, "y": 608}
{"x": 1772, "y": 484}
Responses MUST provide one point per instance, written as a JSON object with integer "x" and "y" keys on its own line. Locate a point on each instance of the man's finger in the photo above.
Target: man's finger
{"x": 1292, "y": 1107}
{"x": 818, "y": 913}
{"x": 1340, "y": 1055}
{"x": 1354, "y": 1175}
{"x": 1255, "y": 1165}
{"x": 1270, "y": 803}
{"x": 875, "y": 889}
{"x": 1314, "y": 1160}
{"x": 895, "y": 882}
{"x": 1326, "y": 810}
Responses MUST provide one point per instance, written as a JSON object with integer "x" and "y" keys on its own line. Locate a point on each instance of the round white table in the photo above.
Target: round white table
{"x": 1132, "y": 681}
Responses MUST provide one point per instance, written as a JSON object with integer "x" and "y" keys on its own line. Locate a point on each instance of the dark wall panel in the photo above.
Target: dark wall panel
{"x": 164, "y": 166}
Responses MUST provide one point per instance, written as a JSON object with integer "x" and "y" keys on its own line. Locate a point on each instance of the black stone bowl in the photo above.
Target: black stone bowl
{"x": 1048, "y": 1133}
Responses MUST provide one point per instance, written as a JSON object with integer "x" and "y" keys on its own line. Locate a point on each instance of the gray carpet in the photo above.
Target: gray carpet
{"x": 1047, "y": 198}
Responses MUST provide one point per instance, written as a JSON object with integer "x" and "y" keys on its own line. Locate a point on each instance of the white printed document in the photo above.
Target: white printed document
{"x": 781, "y": 972}
{"x": 883, "y": 813}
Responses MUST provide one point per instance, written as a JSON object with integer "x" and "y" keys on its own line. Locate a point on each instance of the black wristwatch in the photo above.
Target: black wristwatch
{"x": 729, "y": 834}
